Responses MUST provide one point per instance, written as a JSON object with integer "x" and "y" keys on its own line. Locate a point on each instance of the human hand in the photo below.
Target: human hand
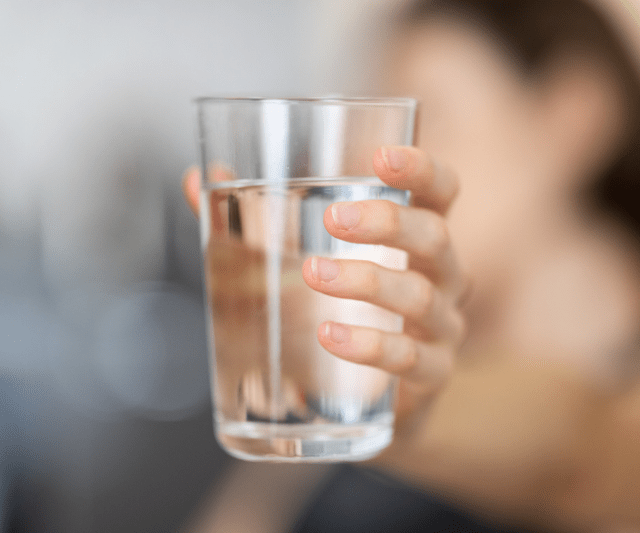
{"x": 427, "y": 295}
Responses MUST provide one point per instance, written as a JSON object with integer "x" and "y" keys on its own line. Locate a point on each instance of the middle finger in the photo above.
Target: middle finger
{"x": 404, "y": 292}
{"x": 421, "y": 232}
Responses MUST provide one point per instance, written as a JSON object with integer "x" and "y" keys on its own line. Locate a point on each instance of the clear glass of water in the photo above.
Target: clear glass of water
{"x": 270, "y": 168}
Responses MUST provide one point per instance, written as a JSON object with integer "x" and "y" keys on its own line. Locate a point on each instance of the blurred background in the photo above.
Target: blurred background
{"x": 105, "y": 418}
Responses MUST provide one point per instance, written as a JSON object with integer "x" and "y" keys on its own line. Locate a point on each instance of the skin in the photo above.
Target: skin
{"x": 427, "y": 295}
{"x": 522, "y": 152}
{"x": 539, "y": 422}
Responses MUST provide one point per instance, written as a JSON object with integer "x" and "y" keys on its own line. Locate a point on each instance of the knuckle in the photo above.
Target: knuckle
{"x": 422, "y": 166}
{"x": 391, "y": 218}
{"x": 440, "y": 237}
{"x": 421, "y": 305}
{"x": 430, "y": 169}
{"x": 369, "y": 281}
{"x": 450, "y": 185}
{"x": 375, "y": 352}
{"x": 410, "y": 355}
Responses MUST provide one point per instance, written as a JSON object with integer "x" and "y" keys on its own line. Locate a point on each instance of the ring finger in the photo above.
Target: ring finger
{"x": 393, "y": 352}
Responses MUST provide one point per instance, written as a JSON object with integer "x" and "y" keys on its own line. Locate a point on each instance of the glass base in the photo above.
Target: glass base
{"x": 303, "y": 443}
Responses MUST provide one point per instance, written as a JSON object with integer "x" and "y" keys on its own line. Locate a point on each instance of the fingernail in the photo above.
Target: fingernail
{"x": 337, "y": 332}
{"x": 395, "y": 159}
{"x": 346, "y": 215}
{"x": 324, "y": 269}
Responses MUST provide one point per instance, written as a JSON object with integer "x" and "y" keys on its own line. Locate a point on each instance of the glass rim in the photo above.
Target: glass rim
{"x": 356, "y": 101}
{"x": 287, "y": 182}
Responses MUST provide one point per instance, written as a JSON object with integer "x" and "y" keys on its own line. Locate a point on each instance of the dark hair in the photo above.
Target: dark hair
{"x": 533, "y": 33}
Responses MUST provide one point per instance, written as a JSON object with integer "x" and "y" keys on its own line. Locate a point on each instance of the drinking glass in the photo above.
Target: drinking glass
{"x": 271, "y": 167}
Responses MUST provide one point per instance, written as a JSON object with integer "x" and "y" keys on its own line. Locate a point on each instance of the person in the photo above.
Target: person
{"x": 519, "y": 397}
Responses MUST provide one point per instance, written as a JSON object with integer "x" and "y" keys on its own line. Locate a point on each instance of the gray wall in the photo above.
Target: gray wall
{"x": 104, "y": 400}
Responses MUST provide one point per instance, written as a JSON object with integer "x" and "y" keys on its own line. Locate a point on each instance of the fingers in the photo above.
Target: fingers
{"x": 421, "y": 232}
{"x": 393, "y": 352}
{"x": 404, "y": 292}
{"x": 409, "y": 168}
{"x": 191, "y": 184}
{"x": 191, "y": 189}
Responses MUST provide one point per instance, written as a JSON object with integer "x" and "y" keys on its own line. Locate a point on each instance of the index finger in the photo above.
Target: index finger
{"x": 412, "y": 169}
